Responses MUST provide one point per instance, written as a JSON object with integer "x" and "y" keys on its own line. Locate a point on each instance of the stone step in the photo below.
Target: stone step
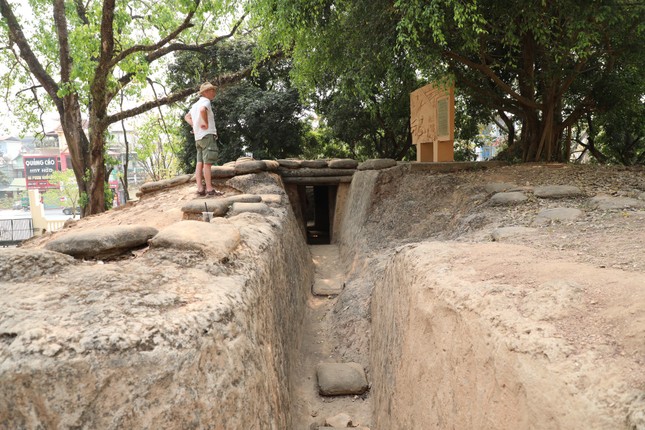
{"x": 327, "y": 287}
{"x": 340, "y": 379}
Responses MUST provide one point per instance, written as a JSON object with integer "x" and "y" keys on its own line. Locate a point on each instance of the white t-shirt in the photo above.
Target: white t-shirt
{"x": 195, "y": 114}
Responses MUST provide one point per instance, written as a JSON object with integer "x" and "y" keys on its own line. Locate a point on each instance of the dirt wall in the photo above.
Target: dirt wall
{"x": 456, "y": 344}
{"x": 169, "y": 339}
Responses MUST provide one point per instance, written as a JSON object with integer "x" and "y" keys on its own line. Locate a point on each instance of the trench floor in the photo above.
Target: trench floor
{"x": 319, "y": 342}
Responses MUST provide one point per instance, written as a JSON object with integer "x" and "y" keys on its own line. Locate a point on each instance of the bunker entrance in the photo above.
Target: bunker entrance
{"x": 318, "y": 211}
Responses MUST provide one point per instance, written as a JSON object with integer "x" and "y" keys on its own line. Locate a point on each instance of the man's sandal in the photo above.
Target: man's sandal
{"x": 201, "y": 192}
{"x": 214, "y": 193}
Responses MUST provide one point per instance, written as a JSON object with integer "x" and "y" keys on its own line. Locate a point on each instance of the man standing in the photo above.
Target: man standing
{"x": 201, "y": 118}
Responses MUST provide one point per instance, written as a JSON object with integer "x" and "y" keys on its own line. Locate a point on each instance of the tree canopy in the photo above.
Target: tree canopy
{"x": 260, "y": 114}
{"x": 538, "y": 66}
{"x": 94, "y": 52}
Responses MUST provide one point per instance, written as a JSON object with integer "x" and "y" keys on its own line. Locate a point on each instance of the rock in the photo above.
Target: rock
{"x": 342, "y": 163}
{"x": 336, "y": 428}
{"x": 274, "y": 199}
{"x": 226, "y": 171}
{"x": 605, "y": 202}
{"x": 247, "y": 167}
{"x": 104, "y": 242}
{"x": 163, "y": 184}
{"x": 377, "y": 164}
{"x": 508, "y": 232}
{"x": 18, "y": 265}
{"x": 557, "y": 214}
{"x": 327, "y": 287}
{"x": 290, "y": 164}
{"x": 340, "y": 420}
{"x": 240, "y": 207}
{"x": 510, "y": 198}
{"x": 216, "y": 239}
{"x": 219, "y": 206}
{"x": 272, "y": 165}
{"x": 498, "y": 187}
{"x": 337, "y": 379}
{"x": 314, "y": 164}
{"x": 557, "y": 191}
{"x": 290, "y": 173}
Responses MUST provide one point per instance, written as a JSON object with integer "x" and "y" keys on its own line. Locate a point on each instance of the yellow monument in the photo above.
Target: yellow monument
{"x": 432, "y": 121}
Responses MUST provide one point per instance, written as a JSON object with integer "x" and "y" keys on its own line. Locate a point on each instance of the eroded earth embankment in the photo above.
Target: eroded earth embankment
{"x": 510, "y": 297}
{"x": 500, "y": 299}
{"x": 186, "y": 334}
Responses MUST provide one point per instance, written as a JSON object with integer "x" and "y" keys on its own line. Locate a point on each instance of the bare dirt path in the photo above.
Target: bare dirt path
{"x": 319, "y": 345}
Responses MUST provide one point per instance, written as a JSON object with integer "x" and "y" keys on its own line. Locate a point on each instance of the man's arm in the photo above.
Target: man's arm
{"x": 204, "y": 114}
{"x": 189, "y": 119}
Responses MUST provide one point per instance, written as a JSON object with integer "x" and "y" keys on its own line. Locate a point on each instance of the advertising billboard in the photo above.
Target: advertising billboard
{"x": 38, "y": 170}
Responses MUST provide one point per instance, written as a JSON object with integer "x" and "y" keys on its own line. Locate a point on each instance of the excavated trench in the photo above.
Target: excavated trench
{"x": 235, "y": 344}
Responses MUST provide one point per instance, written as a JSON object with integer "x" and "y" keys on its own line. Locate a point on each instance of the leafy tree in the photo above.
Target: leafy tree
{"x": 348, "y": 63}
{"x": 158, "y": 144}
{"x": 261, "y": 114}
{"x": 82, "y": 55}
{"x": 536, "y": 67}
{"x": 4, "y": 179}
{"x": 68, "y": 190}
{"x": 524, "y": 59}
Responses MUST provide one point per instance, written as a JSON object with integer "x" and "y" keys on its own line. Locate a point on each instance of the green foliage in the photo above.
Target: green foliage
{"x": 538, "y": 64}
{"x": 348, "y": 64}
{"x": 527, "y": 59}
{"x": 80, "y": 56}
{"x": 67, "y": 193}
{"x": 261, "y": 114}
{"x": 159, "y": 143}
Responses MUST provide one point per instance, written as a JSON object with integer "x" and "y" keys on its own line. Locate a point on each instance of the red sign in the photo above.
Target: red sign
{"x": 38, "y": 170}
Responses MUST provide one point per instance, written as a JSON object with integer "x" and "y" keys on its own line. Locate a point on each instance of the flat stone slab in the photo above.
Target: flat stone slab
{"x": 216, "y": 239}
{"x": 104, "y": 242}
{"x": 557, "y": 191}
{"x": 558, "y": 214}
{"x": 611, "y": 202}
{"x": 272, "y": 165}
{"x": 290, "y": 164}
{"x": 309, "y": 172}
{"x": 377, "y": 164}
{"x": 337, "y": 428}
{"x": 338, "y": 379}
{"x": 510, "y": 198}
{"x": 274, "y": 199}
{"x": 327, "y": 287}
{"x": 241, "y": 207}
{"x": 246, "y": 167}
{"x": 165, "y": 183}
{"x": 314, "y": 164}
{"x": 225, "y": 171}
{"x": 342, "y": 163}
{"x": 508, "y": 232}
{"x": 498, "y": 187}
{"x": 219, "y": 206}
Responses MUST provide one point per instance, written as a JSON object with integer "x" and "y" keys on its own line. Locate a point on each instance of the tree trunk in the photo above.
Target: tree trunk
{"x": 77, "y": 143}
{"x": 543, "y": 133}
{"x": 96, "y": 191}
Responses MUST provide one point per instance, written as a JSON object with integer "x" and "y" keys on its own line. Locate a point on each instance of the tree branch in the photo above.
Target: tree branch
{"x": 487, "y": 71}
{"x": 17, "y": 36}
{"x": 221, "y": 81}
{"x": 146, "y": 48}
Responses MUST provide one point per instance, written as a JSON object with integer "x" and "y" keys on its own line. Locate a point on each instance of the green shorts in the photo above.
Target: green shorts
{"x": 207, "y": 152}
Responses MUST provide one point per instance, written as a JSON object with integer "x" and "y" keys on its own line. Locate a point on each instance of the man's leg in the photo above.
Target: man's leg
{"x": 198, "y": 175}
{"x": 207, "y": 177}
